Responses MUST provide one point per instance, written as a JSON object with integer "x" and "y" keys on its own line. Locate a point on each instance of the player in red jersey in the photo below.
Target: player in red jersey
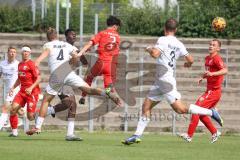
{"x": 215, "y": 71}
{"x": 108, "y": 42}
{"x": 28, "y": 79}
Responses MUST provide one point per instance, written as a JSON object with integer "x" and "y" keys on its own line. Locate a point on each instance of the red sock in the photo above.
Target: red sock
{"x": 14, "y": 121}
{"x": 193, "y": 124}
{"x": 208, "y": 123}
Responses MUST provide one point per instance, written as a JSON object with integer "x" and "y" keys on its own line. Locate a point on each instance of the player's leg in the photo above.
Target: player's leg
{"x": 94, "y": 71}
{"x": 47, "y": 98}
{"x": 14, "y": 118}
{"x": 18, "y": 102}
{"x": 4, "y": 114}
{"x": 142, "y": 122}
{"x": 77, "y": 83}
{"x": 72, "y": 109}
{"x": 6, "y": 106}
{"x": 182, "y": 108}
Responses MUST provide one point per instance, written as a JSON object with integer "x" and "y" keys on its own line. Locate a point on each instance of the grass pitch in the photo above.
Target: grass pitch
{"x": 107, "y": 146}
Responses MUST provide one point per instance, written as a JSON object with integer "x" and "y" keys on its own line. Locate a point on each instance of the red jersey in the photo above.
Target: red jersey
{"x": 108, "y": 44}
{"x": 27, "y": 75}
{"x": 213, "y": 64}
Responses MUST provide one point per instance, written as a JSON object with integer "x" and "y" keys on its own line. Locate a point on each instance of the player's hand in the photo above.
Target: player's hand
{"x": 10, "y": 93}
{"x": 28, "y": 90}
{"x": 208, "y": 74}
{"x": 200, "y": 81}
{"x": 187, "y": 65}
{"x": 148, "y": 48}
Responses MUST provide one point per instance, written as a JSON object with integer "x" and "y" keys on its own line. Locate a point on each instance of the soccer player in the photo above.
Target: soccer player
{"x": 28, "y": 79}
{"x": 9, "y": 73}
{"x": 166, "y": 51}
{"x": 108, "y": 42}
{"x": 67, "y": 101}
{"x": 215, "y": 71}
{"x": 58, "y": 53}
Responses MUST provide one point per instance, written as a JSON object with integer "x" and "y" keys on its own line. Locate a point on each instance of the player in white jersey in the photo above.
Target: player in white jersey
{"x": 59, "y": 54}
{"x": 167, "y": 50}
{"x": 9, "y": 74}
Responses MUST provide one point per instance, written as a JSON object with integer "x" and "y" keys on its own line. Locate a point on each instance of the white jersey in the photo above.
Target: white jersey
{"x": 9, "y": 73}
{"x": 165, "y": 84}
{"x": 171, "y": 49}
{"x": 60, "y": 52}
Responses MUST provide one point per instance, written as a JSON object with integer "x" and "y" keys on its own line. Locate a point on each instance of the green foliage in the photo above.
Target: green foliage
{"x": 195, "y": 17}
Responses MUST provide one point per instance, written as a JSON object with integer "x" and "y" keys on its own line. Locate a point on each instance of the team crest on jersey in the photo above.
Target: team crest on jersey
{"x": 25, "y": 67}
{"x": 210, "y": 62}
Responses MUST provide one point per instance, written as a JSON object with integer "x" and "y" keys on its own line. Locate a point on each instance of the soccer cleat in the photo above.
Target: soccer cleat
{"x": 131, "y": 140}
{"x": 73, "y": 138}
{"x": 215, "y": 136}
{"x": 82, "y": 101}
{"x": 216, "y": 116}
{"x": 33, "y": 131}
{"x": 12, "y": 135}
{"x": 185, "y": 137}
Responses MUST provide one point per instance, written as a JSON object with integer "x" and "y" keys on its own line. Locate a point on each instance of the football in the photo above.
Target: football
{"x": 219, "y": 24}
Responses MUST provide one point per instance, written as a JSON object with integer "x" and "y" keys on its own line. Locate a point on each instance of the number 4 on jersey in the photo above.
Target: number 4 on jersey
{"x": 60, "y": 55}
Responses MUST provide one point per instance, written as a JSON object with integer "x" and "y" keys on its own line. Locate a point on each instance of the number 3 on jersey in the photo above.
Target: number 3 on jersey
{"x": 60, "y": 55}
{"x": 172, "y": 54}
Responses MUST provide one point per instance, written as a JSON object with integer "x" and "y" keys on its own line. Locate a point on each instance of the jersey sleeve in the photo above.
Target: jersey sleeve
{"x": 183, "y": 50}
{"x": 95, "y": 39}
{"x": 160, "y": 44}
{"x": 219, "y": 63}
{"x": 47, "y": 46}
{"x": 34, "y": 70}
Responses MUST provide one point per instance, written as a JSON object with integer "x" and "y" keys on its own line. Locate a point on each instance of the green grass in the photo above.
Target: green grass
{"x": 107, "y": 146}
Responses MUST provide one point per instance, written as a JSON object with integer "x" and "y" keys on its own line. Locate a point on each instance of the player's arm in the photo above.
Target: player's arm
{"x": 155, "y": 53}
{"x": 43, "y": 55}
{"x": 222, "y": 71}
{"x": 188, "y": 61}
{"x": 85, "y": 48}
{"x": 37, "y": 76}
{"x": 17, "y": 83}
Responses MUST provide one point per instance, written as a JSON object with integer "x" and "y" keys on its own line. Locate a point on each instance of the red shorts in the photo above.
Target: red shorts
{"x": 107, "y": 69}
{"x": 209, "y": 99}
{"x": 23, "y": 98}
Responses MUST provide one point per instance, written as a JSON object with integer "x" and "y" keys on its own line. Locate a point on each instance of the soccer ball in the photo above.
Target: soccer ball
{"x": 219, "y": 24}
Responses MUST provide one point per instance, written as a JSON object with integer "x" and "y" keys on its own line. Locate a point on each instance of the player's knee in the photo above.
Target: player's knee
{"x": 13, "y": 111}
{"x": 181, "y": 110}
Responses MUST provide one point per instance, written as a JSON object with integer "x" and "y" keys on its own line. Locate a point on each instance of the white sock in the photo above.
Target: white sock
{"x": 39, "y": 122}
{"x": 25, "y": 124}
{"x": 142, "y": 123}
{"x": 194, "y": 109}
{"x": 3, "y": 119}
{"x": 50, "y": 111}
{"x": 70, "y": 129}
{"x": 15, "y": 132}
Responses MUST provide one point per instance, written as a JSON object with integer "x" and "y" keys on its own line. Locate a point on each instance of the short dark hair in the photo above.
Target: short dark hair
{"x": 68, "y": 31}
{"x": 171, "y": 24}
{"x": 112, "y": 20}
{"x": 218, "y": 41}
{"x": 11, "y": 47}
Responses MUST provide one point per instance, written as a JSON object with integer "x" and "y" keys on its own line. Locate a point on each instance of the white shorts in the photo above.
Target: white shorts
{"x": 72, "y": 81}
{"x": 164, "y": 89}
{"x": 7, "y": 97}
